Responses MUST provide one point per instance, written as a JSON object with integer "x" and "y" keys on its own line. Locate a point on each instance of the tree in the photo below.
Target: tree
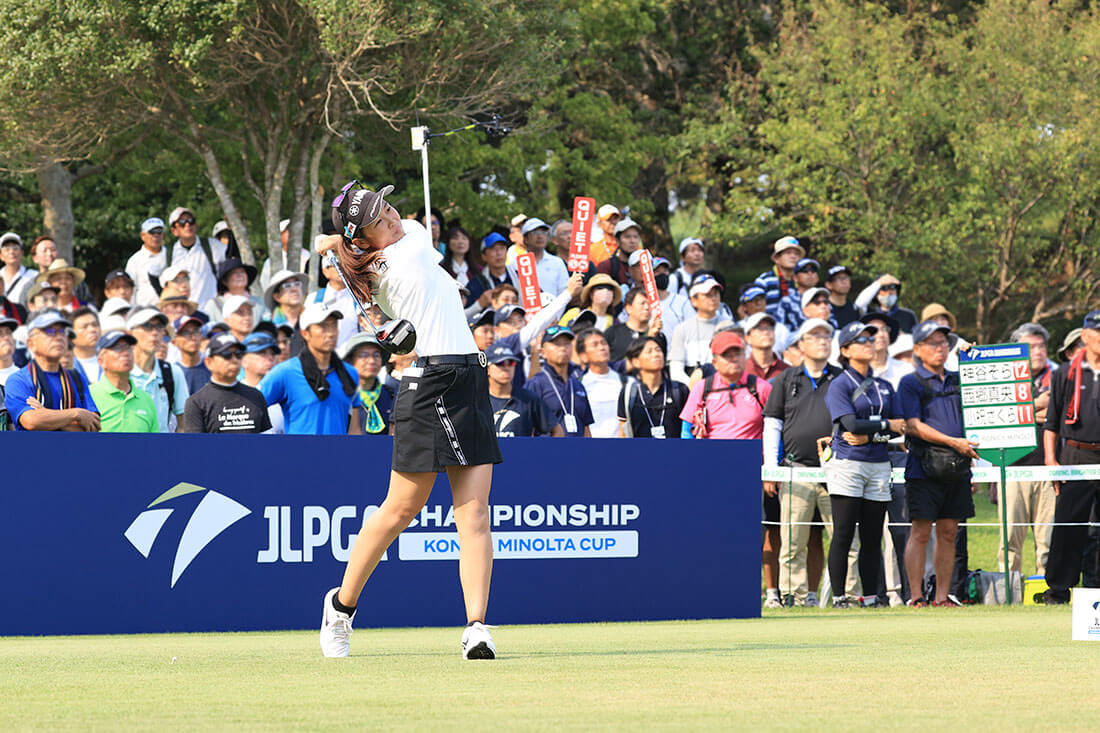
{"x": 258, "y": 89}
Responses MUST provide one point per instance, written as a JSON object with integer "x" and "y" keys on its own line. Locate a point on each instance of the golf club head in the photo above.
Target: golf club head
{"x": 397, "y": 336}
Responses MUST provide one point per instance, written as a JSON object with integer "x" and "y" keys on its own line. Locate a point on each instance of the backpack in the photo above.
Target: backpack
{"x": 169, "y": 383}
{"x": 699, "y": 426}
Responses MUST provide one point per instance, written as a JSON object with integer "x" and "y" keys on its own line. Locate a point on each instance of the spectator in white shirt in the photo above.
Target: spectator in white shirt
{"x": 199, "y": 256}
{"x": 86, "y": 335}
{"x": 148, "y": 263}
{"x": 17, "y": 278}
{"x": 335, "y": 295}
{"x": 278, "y": 262}
{"x": 553, "y": 275}
{"x": 690, "y": 345}
{"x": 603, "y": 384}
{"x": 691, "y": 262}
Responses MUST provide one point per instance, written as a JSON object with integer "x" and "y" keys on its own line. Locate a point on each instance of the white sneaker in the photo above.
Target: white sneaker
{"x": 335, "y": 629}
{"x": 773, "y": 603}
{"x": 477, "y": 642}
{"x": 811, "y": 600}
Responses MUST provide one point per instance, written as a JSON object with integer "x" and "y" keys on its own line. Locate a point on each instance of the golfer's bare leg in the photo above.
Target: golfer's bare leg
{"x": 915, "y": 550}
{"x": 943, "y": 557}
{"x": 407, "y": 494}
{"x": 470, "y": 489}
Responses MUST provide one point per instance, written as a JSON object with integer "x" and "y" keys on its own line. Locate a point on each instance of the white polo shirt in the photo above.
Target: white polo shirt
{"x": 15, "y": 288}
{"x": 204, "y": 284}
{"x": 553, "y": 274}
{"x": 138, "y": 267}
{"x": 413, "y": 286}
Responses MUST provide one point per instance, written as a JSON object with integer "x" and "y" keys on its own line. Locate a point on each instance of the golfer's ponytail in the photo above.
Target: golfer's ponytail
{"x": 362, "y": 267}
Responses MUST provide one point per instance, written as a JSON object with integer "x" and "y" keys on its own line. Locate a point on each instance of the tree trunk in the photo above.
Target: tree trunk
{"x": 316, "y": 195}
{"x": 55, "y": 183}
{"x": 301, "y": 203}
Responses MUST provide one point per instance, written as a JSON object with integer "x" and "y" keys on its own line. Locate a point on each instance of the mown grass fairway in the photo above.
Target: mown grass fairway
{"x": 794, "y": 669}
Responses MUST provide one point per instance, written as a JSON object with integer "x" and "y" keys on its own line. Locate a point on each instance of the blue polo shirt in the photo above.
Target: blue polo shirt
{"x": 877, "y": 402}
{"x": 286, "y": 386}
{"x": 559, "y": 398}
{"x": 943, "y": 412}
{"x": 20, "y": 387}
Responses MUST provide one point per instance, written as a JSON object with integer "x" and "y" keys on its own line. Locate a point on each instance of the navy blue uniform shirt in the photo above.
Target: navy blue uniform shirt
{"x": 560, "y": 398}
{"x": 943, "y": 412}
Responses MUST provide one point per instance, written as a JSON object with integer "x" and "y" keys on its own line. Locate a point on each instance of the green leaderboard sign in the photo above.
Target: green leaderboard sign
{"x": 998, "y": 405}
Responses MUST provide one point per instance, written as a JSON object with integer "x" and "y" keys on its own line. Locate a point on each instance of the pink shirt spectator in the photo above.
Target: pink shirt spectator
{"x": 738, "y": 419}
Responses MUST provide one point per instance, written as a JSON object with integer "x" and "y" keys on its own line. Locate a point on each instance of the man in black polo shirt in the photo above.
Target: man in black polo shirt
{"x": 516, "y": 412}
{"x": 931, "y": 404}
{"x": 796, "y": 417}
{"x": 1073, "y": 417}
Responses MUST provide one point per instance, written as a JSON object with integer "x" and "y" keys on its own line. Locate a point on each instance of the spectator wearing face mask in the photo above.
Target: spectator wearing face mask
{"x": 881, "y": 296}
{"x": 601, "y": 296}
{"x": 675, "y": 308}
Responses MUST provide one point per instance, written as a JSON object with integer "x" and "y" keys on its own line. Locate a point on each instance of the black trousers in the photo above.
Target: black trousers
{"x": 1075, "y": 503}
{"x": 847, "y": 513}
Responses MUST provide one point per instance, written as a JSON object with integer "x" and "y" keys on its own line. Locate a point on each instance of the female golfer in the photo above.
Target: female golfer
{"x": 858, "y": 474}
{"x": 442, "y": 417}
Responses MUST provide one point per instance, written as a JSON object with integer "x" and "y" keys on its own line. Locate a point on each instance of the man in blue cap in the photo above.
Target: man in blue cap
{"x": 1073, "y": 419}
{"x": 937, "y": 470}
{"x": 43, "y": 395}
{"x": 225, "y": 405}
{"x": 516, "y": 412}
{"x": 493, "y": 273}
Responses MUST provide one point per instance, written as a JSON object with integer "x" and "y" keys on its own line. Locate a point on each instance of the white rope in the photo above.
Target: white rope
{"x": 961, "y": 524}
{"x": 980, "y": 474}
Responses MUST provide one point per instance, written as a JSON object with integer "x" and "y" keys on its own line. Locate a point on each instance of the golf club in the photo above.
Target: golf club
{"x": 395, "y": 336}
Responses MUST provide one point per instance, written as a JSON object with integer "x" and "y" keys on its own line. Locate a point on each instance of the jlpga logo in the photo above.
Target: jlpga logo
{"x": 214, "y": 514}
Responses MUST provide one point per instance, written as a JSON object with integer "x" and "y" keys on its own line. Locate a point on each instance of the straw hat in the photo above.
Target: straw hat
{"x": 935, "y": 309}
{"x": 59, "y": 266}
{"x": 602, "y": 279}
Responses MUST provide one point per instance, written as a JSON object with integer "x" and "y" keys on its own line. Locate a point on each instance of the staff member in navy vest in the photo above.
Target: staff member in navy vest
{"x": 937, "y": 470}
{"x": 442, "y": 418}
{"x": 858, "y": 476}
{"x": 1073, "y": 417}
{"x": 562, "y": 394}
{"x": 43, "y": 395}
{"x": 516, "y": 412}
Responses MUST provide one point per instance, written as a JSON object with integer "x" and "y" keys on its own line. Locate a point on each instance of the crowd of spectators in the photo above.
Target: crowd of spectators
{"x": 188, "y": 338}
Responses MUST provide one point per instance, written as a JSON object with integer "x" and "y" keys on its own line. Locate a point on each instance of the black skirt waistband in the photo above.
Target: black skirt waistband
{"x": 477, "y": 359}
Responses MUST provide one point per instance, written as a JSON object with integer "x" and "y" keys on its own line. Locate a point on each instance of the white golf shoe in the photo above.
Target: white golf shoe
{"x": 477, "y": 642}
{"x": 335, "y": 629}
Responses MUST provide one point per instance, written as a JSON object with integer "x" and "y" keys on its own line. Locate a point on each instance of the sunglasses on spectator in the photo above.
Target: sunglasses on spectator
{"x": 53, "y": 331}
{"x": 152, "y": 326}
{"x": 183, "y": 221}
{"x": 819, "y": 301}
{"x": 290, "y": 285}
{"x": 506, "y": 363}
{"x": 232, "y": 355}
{"x": 191, "y": 333}
{"x": 157, "y": 232}
{"x": 863, "y": 340}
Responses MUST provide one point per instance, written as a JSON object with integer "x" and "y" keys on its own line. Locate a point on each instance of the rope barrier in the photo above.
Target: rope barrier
{"x": 981, "y": 474}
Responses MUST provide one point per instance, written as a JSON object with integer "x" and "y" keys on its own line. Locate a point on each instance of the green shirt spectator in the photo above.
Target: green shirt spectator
{"x": 126, "y": 409}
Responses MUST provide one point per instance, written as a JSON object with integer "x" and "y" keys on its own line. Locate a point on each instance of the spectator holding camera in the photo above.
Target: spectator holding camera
{"x": 937, "y": 472}
{"x": 858, "y": 472}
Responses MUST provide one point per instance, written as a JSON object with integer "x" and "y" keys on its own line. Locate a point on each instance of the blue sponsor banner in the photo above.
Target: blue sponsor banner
{"x": 127, "y": 533}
